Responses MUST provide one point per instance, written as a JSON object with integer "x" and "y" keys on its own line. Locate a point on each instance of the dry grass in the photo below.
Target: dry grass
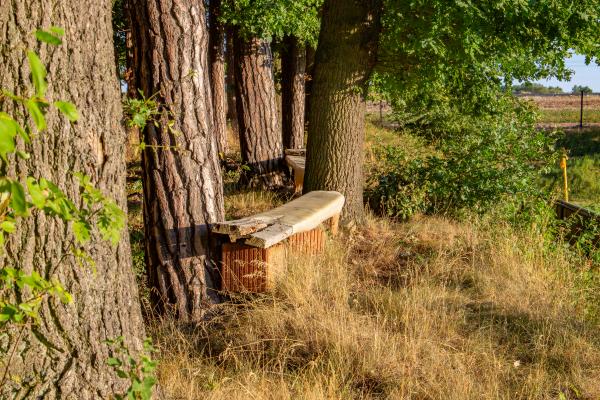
{"x": 565, "y": 102}
{"x": 431, "y": 309}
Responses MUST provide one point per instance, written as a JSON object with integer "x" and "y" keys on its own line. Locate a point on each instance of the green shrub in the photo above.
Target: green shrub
{"x": 482, "y": 159}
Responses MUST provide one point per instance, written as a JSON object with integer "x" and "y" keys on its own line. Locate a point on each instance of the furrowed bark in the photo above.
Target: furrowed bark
{"x": 258, "y": 118}
{"x": 217, "y": 73}
{"x": 345, "y": 57}
{"x": 231, "y": 102}
{"x": 293, "y": 67}
{"x": 183, "y": 189}
{"x": 64, "y": 356}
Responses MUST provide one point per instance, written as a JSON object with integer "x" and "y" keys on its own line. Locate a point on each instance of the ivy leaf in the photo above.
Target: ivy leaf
{"x": 47, "y": 37}
{"x": 17, "y": 199}
{"x": 68, "y": 109}
{"x": 38, "y": 73}
{"x": 36, "y": 114}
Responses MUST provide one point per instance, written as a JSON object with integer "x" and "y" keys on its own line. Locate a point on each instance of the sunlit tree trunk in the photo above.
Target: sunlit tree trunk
{"x": 217, "y": 73}
{"x": 258, "y": 117}
{"x": 344, "y": 60}
{"x": 64, "y": 356}
{"x": 183, "y": 190}
{"x": 293, "y": 60}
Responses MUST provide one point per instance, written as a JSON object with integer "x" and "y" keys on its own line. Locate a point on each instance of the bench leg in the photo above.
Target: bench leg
{"x": 335, "y": 224}
{"x": 298, "y": 181}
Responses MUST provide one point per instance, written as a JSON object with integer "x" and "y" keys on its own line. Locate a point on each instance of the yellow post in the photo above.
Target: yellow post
{"x": 563, "y": 166}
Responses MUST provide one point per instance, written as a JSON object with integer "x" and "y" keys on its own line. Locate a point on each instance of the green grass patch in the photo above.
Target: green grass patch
{"x": 568, "y": 115}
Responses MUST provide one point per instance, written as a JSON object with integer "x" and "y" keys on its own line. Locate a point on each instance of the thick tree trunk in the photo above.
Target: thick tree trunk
{"x": 183, "y": 190}
{"x": 293, "y": 60}
{"x": 133, "y": 133}
{"x": 64, "y": 356}
{"x": 258, "y": 119}
{"x": 217, "y": 73}
{"x": 308, "y": 80}
{"x": 231, "y": 102}
{"x": 344, "y": 60}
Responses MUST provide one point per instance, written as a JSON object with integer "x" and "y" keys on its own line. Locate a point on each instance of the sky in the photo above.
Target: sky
{"x": 584, "y": 75}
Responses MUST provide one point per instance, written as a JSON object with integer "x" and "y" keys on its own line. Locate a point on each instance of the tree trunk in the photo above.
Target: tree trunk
{"x": 231, "y": 102}
{"x": 308, "y": 80}
{"x": 183, "y": 190}
{"x": 260, "y": 133}
{"x": 293, "y": 66}
{"x": 133, "y": 132}
{"x": 64, "y": 356}
{"x": 217, "y": 73}
{"x": 344, "y": 60}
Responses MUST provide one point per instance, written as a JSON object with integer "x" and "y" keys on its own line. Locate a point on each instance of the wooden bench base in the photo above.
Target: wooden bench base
{"x": 248, "y": 269}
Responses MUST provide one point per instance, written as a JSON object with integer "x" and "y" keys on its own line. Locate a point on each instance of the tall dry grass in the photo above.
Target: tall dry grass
{"x": 431, "y": 309}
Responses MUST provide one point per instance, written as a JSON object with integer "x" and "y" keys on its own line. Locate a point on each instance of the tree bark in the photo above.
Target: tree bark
{"x": 293, "y": 67}
{"x": 64, "y": 356}
{"x": 217, "y": 73}
{"x": 183, "y": 189}
{"x": 308, "y": 80}
{"x": 345, "y": 57}
{"x": 231, "y": 101}
{"x": 258, "y": 119}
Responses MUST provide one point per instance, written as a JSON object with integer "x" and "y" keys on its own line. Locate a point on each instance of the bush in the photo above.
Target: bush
{"x": 481, "y": 160}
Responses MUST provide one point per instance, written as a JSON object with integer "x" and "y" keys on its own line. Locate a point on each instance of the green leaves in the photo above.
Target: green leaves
{"x": 38, "y": 74}
{"x": 17, "y": 200}
{"x": 68, "y": 109}
{"x": 52, "y": 36}
{"x": 139, "y": 371}
{"x": 28, "y": 309}
{"x": 36, "y": 113}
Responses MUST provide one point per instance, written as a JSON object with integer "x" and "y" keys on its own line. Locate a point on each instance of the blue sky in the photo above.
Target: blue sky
{"x": 585, "y": 75}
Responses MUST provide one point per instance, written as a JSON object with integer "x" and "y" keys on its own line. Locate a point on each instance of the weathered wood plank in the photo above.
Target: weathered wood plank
{"x": 300, "y": 215}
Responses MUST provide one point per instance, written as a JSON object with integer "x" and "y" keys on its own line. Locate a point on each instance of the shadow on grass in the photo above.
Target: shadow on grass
{"x": 580, "y": 142}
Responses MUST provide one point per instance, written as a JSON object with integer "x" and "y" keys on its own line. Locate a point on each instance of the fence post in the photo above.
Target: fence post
{"x": 563, "y": 166}
{"x": 581, "y": 112}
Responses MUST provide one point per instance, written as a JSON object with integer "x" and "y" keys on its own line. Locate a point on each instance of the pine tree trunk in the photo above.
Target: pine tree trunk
{"x": 344, "y": 60}
{"x": 258, "y": 119}
{"x": 133, "y": 133}
{"x": 230, "y": 79}
{"x": 293, "y": 66}
{"x": 183, "y": 190}
{"x": 64, "y": 356}
{"x": 217, "y": 73}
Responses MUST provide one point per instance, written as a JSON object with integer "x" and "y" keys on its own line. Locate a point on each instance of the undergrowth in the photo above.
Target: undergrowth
{"x": 427, "y": 309}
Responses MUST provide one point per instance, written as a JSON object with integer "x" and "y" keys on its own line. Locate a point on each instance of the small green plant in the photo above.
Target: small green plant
{"x": 140, "y": 372}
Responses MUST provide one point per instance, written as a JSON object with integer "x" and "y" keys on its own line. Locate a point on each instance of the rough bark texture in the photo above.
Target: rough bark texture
{"x": 133, "y": 133}
{"x": 258, "y": 118}
{"x": 64, "y": 357}
{"x": 182, "y": 181}
{"x": 308, "y": 80}
{"x": 230, "y": 80}
{"x": 344, "y": 59}
{"x": 217, "y": 73}
{"x": 293, "y": 60}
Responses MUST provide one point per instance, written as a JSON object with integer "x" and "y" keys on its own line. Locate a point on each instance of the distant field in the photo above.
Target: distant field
{"x": 564, "y": 109}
